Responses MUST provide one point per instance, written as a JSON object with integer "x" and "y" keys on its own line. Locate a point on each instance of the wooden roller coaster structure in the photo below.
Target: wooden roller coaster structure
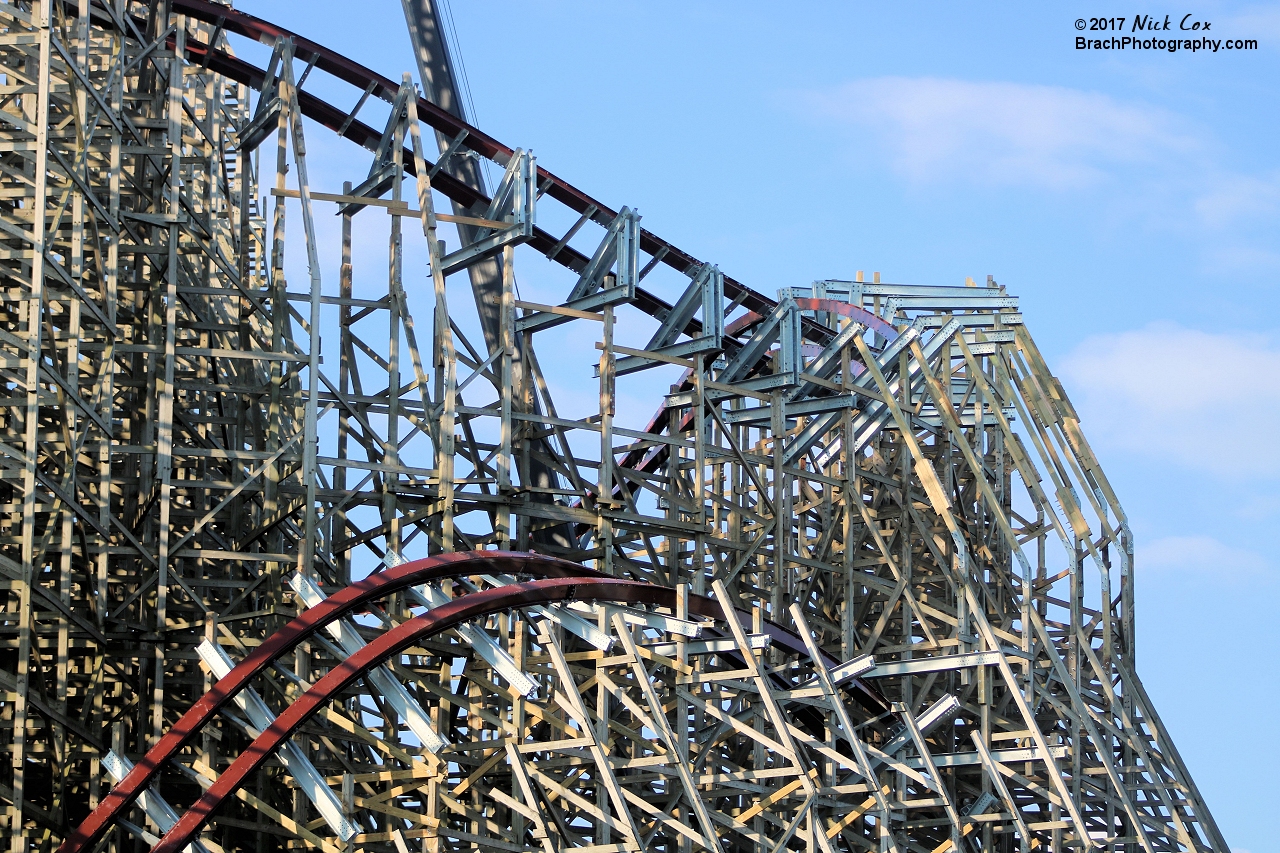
{"x": 282, "y": 569}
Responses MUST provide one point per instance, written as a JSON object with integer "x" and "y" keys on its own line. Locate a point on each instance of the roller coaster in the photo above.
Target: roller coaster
{"x": 283, "y": 569}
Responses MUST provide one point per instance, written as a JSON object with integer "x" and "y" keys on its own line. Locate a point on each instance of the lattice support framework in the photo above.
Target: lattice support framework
{"x": 195, "y": 449}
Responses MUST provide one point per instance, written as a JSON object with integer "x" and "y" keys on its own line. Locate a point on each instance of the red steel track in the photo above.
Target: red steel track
{"x": 848, "y": 309}
{"x": 360, "y": 77}
{"x": 283, "y": 641}
{"x": 559, "y": 580}
{"x": 433, "y": 622}
{"x": 346, "y": 125}
{"x": 377, "y": 586}
{"x": 395, "y": 641}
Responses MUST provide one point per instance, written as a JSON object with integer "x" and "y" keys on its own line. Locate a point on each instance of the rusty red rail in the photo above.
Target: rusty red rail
{"x": 360, "y": 77}
{"x": 282, "y": 642}
{"x": 559, "y": 580}
{"x": 435, "y": 621}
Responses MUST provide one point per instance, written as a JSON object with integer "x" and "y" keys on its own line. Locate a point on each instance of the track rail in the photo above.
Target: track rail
{"x": 343, "y": 123}
{"x": 282, "y": 642}
{"x": 588, "y": 587}
{"x": 433, "y": 622}
{"x": 361, "y": 77}
{"x": 558, "y": 580}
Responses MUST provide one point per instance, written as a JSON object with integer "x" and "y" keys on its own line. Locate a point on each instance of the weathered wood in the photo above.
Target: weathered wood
{"x": 882, "y": 468}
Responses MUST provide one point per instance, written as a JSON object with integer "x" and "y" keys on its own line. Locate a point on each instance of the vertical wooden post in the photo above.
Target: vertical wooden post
{"x": 507, "y": 340}
{"x": 395, "y": 263}
{"x": 337, "y": 518}
{"x": 604, "y": 500}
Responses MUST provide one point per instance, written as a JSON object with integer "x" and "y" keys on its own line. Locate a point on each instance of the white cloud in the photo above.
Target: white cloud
{"x": 1197, "y": 554}
{"x": 1206, "y": 401}
{"x": 1237, "y": 257}
{"x": 1233, "y": 197}
{"x": 1143, "y": 164}
{"x": 1008, "y": 133}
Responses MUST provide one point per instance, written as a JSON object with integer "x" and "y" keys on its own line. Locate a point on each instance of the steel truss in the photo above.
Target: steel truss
{"x": 196, "y": 451}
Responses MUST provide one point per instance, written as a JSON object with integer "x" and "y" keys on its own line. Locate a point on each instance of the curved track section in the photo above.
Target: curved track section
{"x": 349, "y": 600}
{"x": 558, "y": 581}
{"x": 433, "y": 622}
{"x": 587, "y": 701}
{"x": 378, "y": 86}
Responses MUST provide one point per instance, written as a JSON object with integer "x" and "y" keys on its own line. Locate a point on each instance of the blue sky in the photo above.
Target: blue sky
{"x": 1131, "y": 199}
